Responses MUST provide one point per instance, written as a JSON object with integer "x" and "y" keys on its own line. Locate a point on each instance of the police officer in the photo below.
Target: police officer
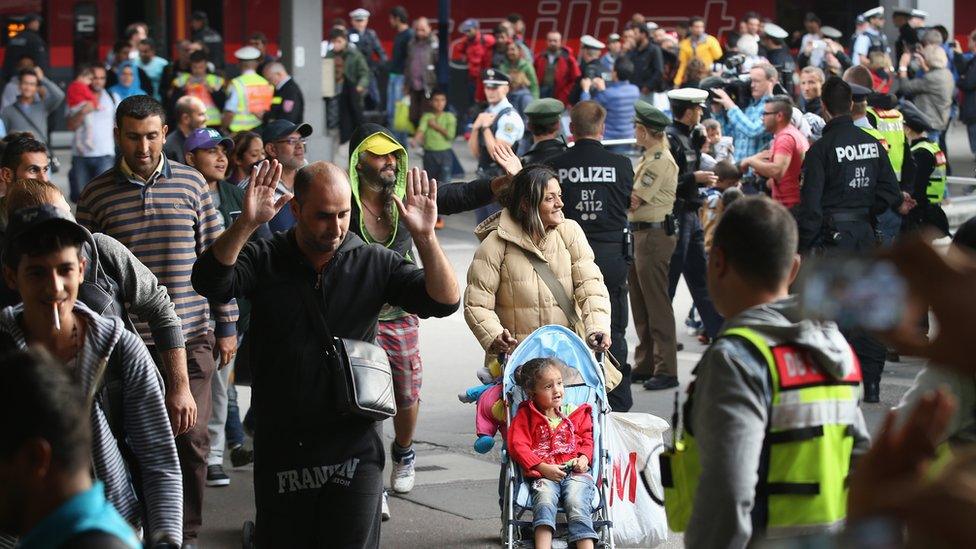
{"x": 590, "y": 65}
{"x": 655, "y": 239}
{"x": 368, "y": 43}
{"x": 873, "y": 39}
{"x": 685, "y": 137}
{"x": 26, "y": 43}
{"x": 248, "y": 96}
{"x": 596, "y": 186}
{"x": 779, "y": 55}
{"x": 929, "y": 187}
{"x": 202, "y": 32}
{"x": 847, "y": 180}
{"x": 499, "y": 122}
{"x": 543, "y": 115}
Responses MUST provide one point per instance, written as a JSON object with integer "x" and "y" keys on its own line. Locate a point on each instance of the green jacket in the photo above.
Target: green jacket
{"x": 525, "y": 67}
{"x": 355, "y": 69}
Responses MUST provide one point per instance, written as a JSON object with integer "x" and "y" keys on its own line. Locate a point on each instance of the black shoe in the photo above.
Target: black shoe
{"x": 658, "y": 383}
{"x": 639, "y": 378}
{"x": 216, "y": 476}
{"x": 241, "y": 456}
{"x": 892, "y": 356}
{"x": 680, "y": 346}
{"x": 872, "y": 392}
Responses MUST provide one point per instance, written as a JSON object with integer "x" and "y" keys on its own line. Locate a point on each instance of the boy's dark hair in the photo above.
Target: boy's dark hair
{"x": 27, "y": 72}
{"x": 400, "y": 13}
{"x": 43, "y": 240}
{"x": 120, "y": 45}
{"x": 139, "y": 107}
{"x": 694, "y": 19}
{"x": 338, "y": 32}
{"x": 438, "y": 91}
{"x": 730, "y": 195}
{"x": 514, "y": 18}
{"x": 836, "y": 96}
{"x": 528, "y": 373}
{"x": 624, "y": 68}
{"x": 39, "y": 400}
{"x": 197, "y": 56}
{"x": 759, "y": 238}
{"x": 17, "y": 146}
{"x": 726, "y": 171}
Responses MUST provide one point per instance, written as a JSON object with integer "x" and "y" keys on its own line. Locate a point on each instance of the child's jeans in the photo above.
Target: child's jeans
{"x": 576, "y": 493}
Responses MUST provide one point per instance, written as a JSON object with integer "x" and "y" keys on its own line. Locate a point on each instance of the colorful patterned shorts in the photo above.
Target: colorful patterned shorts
{"x": 400, "y": 339}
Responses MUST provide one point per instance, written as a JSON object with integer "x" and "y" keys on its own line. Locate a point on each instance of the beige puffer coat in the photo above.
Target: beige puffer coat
{"x": 504, "y": 292}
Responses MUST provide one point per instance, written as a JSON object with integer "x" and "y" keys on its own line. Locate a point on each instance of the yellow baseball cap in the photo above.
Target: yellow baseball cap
{"x": 380, "y": 144}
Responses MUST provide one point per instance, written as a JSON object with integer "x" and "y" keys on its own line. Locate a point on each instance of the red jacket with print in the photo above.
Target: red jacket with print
{"x": 532, "y": 440}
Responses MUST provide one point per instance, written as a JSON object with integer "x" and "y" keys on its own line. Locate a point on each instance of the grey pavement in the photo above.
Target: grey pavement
{"x": 455, "y": 501}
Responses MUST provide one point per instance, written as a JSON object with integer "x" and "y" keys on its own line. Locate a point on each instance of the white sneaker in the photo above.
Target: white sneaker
{"x": 385, "y": 512}
{"x": 403, "y": 475}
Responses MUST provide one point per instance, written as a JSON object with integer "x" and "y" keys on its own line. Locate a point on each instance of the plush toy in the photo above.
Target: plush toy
{"x": 490, "y": 416}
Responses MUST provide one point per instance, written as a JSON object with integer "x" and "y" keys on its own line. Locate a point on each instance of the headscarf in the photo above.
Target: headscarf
{"x": 135, "y": 88}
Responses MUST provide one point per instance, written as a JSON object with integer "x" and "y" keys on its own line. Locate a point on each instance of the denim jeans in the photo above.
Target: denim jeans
{"x": 889, "y": 224}
{"x": 576, "y": 494}
{"x": 394, "y": 92}
{"x": 689, "y": 260}
{"x": 84, "y": 169}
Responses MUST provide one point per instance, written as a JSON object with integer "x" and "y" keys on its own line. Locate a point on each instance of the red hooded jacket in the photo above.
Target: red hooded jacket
{"x": 566, "y": 74}
{"x": 532, "y": 440}
{"x": 477, "y": 53}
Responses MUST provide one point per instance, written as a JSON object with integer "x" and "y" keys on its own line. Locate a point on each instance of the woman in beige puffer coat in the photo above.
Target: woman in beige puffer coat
{"x": 505, "y": 299}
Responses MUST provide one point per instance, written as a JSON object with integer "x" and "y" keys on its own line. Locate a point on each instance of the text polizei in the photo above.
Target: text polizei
{"x": 861, "y": 151}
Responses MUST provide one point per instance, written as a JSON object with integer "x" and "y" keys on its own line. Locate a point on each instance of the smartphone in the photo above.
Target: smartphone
{"x": 855, "y": 292}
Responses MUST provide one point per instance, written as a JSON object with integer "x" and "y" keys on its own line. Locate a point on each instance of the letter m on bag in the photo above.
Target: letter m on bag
{"x": 625, "y": 481}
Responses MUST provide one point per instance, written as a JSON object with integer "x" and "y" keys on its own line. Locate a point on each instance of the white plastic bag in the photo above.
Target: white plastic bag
{"x": 635, "y": 441}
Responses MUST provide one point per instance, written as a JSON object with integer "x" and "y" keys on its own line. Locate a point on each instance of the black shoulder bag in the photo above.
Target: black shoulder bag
{"x": 362, "y": 383}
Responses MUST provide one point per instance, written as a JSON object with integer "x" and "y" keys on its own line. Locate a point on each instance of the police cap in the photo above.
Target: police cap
{"x": 650, "y": 116}
{"x": 859, "y": 93}
{"x": 358, "y": 14}
{"x": 614, "y": 37}
{"x": 914, "y": 118}
{"x": 873, "y": 12}
{"x": 544, "y": 111}
{"x": 904, "y": 12}
{"x": 589, "y": 42}
{"x": 921, "y": 14}
{"x": 494, "y": 77}
{"x": 775, "y": 31}
{"x": 248, "y": 53}
{"x": 831, "y": 32}
{"x": 688, "y": 95}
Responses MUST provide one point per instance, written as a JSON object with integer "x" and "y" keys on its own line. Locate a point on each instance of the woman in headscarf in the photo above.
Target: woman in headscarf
{"x": 128, "y": 82}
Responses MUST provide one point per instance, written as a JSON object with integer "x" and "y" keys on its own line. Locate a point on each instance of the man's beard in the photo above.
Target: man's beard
{"x": 376, "y": 181}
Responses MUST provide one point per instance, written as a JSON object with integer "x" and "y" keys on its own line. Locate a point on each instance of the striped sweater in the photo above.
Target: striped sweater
{"x": 166, "y": 223}
{"x": 148, "y": 431}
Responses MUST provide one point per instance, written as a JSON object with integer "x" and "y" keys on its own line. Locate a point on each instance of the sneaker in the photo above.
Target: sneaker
{"x": 403, "y": 474}
{"x": 385, "y": 512}
{"x": 658, "y": 383}
{"x": 216, "y": 476}
{"x": 241, "y": 456}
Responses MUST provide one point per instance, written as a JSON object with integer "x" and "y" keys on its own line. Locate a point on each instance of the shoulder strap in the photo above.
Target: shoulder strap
{"x": 558, "y": 292}
{"x": 318, "y": 320}
{"x": 40, "y": 135}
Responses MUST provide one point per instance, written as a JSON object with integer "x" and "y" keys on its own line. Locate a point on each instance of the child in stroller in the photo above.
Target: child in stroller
{"x": 553, "y": 444}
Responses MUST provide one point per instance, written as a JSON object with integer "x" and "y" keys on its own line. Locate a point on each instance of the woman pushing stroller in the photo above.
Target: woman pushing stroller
{"x": 553, "y": 444}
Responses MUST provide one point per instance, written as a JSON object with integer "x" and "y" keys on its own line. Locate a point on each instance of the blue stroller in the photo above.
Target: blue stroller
{"x": 583, "y": 384}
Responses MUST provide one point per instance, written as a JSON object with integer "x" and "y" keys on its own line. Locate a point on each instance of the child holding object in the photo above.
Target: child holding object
{"x": 553, "y": 444}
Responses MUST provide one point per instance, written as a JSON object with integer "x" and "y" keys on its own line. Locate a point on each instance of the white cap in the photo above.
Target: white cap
{"x": 775, "y": 31}
{"x": 588, "y": 41}
{"x": 689, "y": 95}
{"x": 651, "y": 25}
{"x": 614, "y": 37}
{"x": 248, "y": 53}
{"x": 359, "y": 13}
{"x": 831, "y": 32}
{"x": 920, "y": 14}
{"x": 874, "y": 12}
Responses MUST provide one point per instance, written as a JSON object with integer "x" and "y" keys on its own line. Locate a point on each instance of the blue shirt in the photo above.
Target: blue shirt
{"x": 154, "y": 70}
{"x": 85, "y": 512}
{"x": 746, "y": 128}
{"x": 618, "y": 99}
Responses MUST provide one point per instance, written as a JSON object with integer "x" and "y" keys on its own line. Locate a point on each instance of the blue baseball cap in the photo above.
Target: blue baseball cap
{"x": 207, "y": 138}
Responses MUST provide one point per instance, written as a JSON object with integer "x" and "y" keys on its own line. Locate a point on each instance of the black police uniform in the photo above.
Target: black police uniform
{"x": 689, "y": 255}
{"x": 782, "y": 59}
{"x": 25, "y": 43}
{"x": 287, "y": 104}
{"x": 596, "y": 186}
{"x": 214, "y": 43}
{"x": 847, "y": 180}
{"x": 544, "y": 151}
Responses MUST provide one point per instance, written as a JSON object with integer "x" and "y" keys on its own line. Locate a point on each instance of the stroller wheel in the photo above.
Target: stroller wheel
{"x": 247, "y": 535}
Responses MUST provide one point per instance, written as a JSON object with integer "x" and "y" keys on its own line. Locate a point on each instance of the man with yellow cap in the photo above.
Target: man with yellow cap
{"x": 378, "y": 173}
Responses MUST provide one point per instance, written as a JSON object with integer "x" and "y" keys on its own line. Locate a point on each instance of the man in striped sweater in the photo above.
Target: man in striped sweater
{"x": 162, "y": 211}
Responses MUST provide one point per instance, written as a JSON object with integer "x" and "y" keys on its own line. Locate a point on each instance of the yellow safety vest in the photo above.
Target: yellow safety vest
{"x": 808, "y": 447}
{"x": 890, "y": 131}
{"x": 202, "y": 91}
{"x": 254, "y": 94}
{"x": 935, "y": 191}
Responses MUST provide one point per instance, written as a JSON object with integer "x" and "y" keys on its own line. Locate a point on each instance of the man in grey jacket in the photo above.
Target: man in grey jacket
{"x": 750, "y": 268}
{"x": 27, "y": 114}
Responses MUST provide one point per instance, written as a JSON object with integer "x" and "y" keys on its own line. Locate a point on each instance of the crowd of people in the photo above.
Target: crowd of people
{"x": 200, "y": 242}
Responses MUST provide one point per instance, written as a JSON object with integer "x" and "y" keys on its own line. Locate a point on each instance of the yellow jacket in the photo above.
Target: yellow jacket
{"x": 708, "y": 50}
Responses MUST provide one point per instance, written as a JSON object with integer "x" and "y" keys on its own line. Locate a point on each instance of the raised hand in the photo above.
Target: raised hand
{"x": 419, "y": 213}
{"x": 259, "y": 199}
{"x": 503, "y": 154}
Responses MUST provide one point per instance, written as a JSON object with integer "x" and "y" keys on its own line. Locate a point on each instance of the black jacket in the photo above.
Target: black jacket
{"x": 214, "y": 43}
{"x": 544, "y": 151}
{"x": 29, "y": 43}
{"x": 686, "y": 149}
{"x": 288, "y": 104}
{"x": 967, "y": 85}
{"x": 285, "y": 349}
{"x": 648, "y": 67}
{"x": 846, "y": 170}
{"x": 596, "y": 185}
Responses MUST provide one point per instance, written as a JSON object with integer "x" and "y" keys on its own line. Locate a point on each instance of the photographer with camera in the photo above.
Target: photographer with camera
{"x": 746, "y": 125}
